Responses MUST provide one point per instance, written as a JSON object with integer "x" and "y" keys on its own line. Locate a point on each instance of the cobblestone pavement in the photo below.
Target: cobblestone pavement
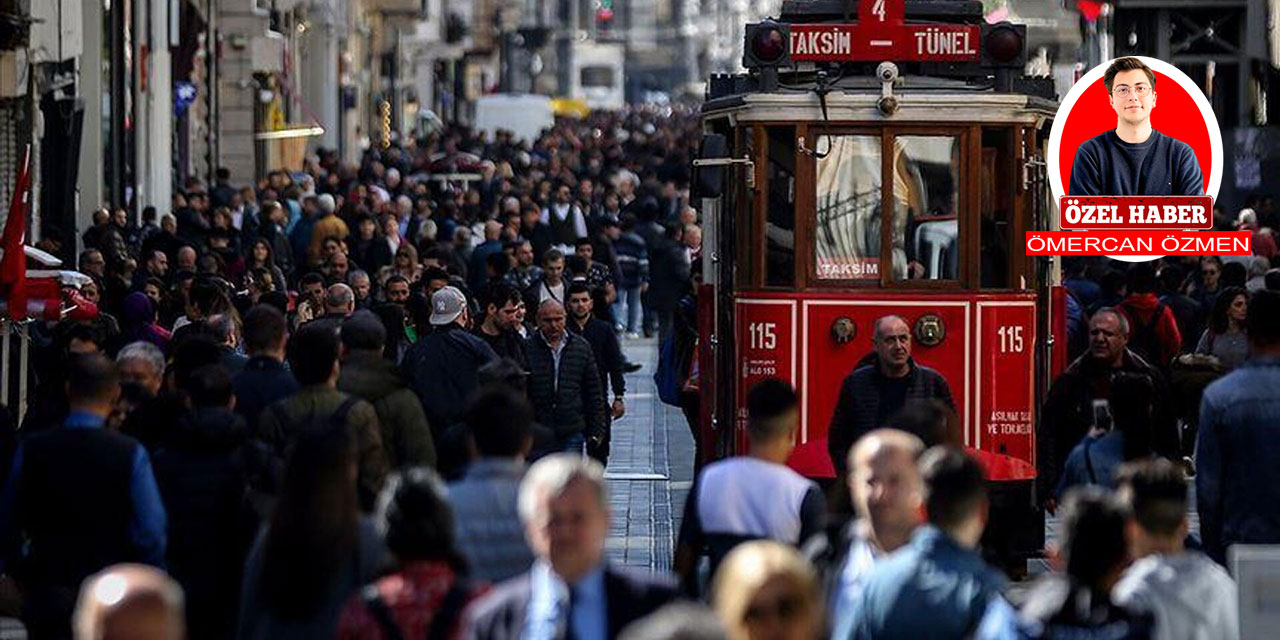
{"x": 650, "y": 469}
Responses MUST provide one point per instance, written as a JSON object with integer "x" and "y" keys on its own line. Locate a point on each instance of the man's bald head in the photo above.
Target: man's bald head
{"x": 129, "y": 601}
{"x": 339, "y": 299}
{"x": 883, "y": 442}
{"x": 885, "y": 483}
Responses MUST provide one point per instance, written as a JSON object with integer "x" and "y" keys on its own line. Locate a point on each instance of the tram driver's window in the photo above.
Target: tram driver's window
{"x": 926, "y": 196}
{"x": 780, "y": 211}
{"x": 847, "y": 229}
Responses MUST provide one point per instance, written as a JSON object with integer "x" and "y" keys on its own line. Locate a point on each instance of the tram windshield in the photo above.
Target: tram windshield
{"x": 924, "y": 239}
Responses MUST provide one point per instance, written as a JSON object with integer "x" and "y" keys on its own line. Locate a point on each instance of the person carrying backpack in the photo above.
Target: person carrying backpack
{"x": 318, "y": 404}
{"x": 1153, "y": 328}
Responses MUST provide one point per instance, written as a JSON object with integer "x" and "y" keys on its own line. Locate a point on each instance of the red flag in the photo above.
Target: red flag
{"x": 1089, "y": 9}
{"x": 13, "y": 265}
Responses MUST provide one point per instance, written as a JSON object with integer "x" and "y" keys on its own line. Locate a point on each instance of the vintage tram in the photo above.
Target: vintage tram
{"x": 881, "y": 157}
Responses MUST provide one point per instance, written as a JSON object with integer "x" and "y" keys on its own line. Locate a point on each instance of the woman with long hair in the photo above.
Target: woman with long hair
{"x": 1226, "y": 337}
{"x": 263, "y": 256}
{"x": 425, "y": 595}
{"x": 767, "y": 590}
{"x": 405, "y": 263}
{"x": 316, "y": 550}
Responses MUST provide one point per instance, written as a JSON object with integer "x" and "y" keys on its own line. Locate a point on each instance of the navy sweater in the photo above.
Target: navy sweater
{"x": 1105, "y": 165}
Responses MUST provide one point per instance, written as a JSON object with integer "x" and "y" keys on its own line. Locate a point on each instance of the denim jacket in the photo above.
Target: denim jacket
{"x": 1237, "y": 481}
{"x": 932, "y": 588}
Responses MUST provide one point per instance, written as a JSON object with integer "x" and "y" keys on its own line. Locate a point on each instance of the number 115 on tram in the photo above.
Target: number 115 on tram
{"x": 884, "y": 165}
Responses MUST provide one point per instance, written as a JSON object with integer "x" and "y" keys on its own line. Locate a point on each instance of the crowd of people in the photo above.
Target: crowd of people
{"x": 333, "y": 379}
{"x": 357, "y": 402}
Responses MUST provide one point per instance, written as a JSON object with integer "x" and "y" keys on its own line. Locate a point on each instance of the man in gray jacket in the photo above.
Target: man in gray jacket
{"x": 486, "y": 522}
{"x": 1190, "y": 596}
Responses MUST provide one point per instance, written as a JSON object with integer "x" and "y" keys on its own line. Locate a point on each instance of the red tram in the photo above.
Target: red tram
{"x": 883, "y": 160}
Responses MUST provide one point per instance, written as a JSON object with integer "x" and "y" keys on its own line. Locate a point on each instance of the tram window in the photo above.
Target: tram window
{"x": 847, "y": 232}
{"x": 780, "y": 212}
{"x": 996, "y": 213}
{"x": 926, "y": 197}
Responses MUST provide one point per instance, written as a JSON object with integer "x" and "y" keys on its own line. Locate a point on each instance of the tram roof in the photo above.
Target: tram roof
{"x": 923, "y": 100}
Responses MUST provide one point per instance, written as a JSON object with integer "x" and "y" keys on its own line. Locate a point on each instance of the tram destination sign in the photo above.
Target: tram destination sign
{"x": 871, "y": 42}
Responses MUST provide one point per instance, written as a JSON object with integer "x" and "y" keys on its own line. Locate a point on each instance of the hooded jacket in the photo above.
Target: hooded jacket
{"x": 406, "y": 437}
{"x": 1139, "y": 310}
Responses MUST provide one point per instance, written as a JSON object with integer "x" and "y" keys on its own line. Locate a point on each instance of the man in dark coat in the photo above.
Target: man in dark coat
{"x": 502, "y": 304}
{"x": 569, "y": 490}
{"x": 442, "y": 367}
{"x": 203, "y": 472}
{"x": 1069, "y": 408}
{"x": 608, "y": 356}
{"x": 564, "y": 382}
{"x": 669, "y": 280}
{"x": 879, "y": 387}
{"x": 79, "y": 498}
{"x": 366, "y": 374}
{"x": 264, "y": 378}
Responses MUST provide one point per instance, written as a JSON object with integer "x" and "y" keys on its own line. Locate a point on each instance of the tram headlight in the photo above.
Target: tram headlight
{"x": 767, "y": 45}
{"x": 1004, "y": 45}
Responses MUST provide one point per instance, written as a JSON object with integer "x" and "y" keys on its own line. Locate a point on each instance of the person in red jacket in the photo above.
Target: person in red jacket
{"x": 1153, "y": 329}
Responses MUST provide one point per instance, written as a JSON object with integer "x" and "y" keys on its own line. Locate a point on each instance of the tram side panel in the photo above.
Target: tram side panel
{"x": 984, "y": 346}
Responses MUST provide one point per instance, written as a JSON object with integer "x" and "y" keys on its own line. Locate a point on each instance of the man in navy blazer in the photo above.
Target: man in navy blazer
{"x": 570, "y": 592}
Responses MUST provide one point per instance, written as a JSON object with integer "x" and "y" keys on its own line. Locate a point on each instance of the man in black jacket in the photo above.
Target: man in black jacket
{"x": 564, "y": 382}
{"x": 571, "y": 591}
{"x": 443, "y": 366}
{"x": 879, "y": 387}
{"x": 608, "y": 356}
{"x": 264, "y": 379}
{"x": 1069, "y": 407}
{"x": 502, "y": 304}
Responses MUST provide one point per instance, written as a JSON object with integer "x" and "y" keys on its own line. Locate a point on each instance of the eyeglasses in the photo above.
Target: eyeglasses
{"x": 1142, "y": 90}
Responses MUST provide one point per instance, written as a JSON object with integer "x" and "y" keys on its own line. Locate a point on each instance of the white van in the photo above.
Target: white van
{"x": 524, "y": 114}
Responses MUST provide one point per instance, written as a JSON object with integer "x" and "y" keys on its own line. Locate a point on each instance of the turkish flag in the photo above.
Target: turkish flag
{"x": 13, "y": 264}
{"x": 1089, "y": 9}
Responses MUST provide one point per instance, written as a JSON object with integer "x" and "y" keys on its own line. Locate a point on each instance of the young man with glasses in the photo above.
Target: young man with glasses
{"x": 1134, "y": 159}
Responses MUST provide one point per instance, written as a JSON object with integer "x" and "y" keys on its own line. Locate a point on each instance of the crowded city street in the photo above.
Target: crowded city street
{"x": 639, "y": 319}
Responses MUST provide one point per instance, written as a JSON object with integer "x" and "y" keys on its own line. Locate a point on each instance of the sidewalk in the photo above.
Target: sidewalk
{"x": 650, "y": 469}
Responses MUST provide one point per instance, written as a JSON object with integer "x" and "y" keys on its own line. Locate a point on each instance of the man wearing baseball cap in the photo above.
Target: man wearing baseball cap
{"x": 444, "y": 365}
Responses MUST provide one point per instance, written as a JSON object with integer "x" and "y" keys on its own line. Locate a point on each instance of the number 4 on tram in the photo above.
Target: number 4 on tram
{"x": 839, "y": 187}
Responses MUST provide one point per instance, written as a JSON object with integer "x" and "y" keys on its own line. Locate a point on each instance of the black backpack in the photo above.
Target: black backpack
{"x": 1143, "y": 339}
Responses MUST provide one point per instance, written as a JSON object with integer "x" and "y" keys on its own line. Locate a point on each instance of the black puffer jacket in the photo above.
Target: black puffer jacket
{"x": 202, "y": 475}
{"x": 576, "y": 403}
{"x": 858, "y": 409}
{"x": 443, "y": 369}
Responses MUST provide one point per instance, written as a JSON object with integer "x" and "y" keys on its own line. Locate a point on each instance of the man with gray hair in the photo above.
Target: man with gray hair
{"x": 1080, "y": 397}
{"x": 879, "y": 386}
{"x": 564, "y": 381}
{"x": 362, "y": 286}
{"x": 130, "y": 601}
{"x": 142, "y": 363}
{"x": 222, "y": 327}
{"x": 571, "y": 590}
